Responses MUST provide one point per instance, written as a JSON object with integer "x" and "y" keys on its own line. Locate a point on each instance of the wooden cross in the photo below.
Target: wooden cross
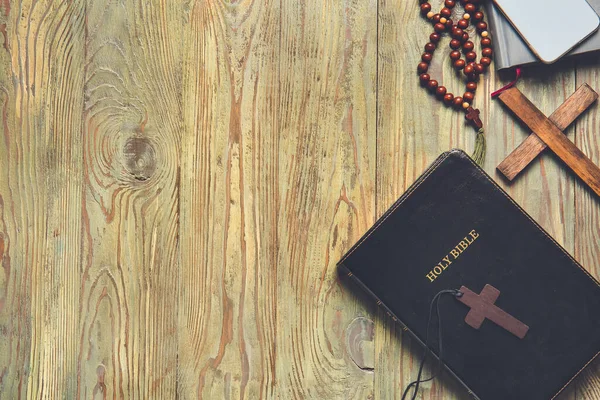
{"x": 552, "y": 137}
{"x": 473, "y": 116}
{"x": 482, "y": 308}
{"x": 562, "y": 117}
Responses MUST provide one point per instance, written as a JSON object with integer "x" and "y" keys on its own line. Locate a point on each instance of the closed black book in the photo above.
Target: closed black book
{"x": 529, "y": 321}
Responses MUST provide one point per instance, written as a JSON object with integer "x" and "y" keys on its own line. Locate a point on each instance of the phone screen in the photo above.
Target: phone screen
{"x": 550, "y": 27}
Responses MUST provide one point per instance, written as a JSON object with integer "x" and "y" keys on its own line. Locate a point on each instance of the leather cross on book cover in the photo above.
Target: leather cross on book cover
{"x": 529, "y": 318}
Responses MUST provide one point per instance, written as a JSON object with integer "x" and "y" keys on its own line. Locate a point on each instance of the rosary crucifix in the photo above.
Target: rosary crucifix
{"x": 473, "y": 117}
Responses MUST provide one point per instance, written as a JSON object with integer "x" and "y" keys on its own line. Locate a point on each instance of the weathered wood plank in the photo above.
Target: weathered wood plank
{"x": 326, "y": 195}
{"x": 261, "y": 168}
{"x": 131, "y": 148}
{"x": 41, "y": 98}
{"x": 228, "y": 300}
{"x": 414, "y": 128}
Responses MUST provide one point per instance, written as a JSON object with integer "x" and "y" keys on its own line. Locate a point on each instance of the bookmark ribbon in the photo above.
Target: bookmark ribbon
{"x": 509, "y": 85}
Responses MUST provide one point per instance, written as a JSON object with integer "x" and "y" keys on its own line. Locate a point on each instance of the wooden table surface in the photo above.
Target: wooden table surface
{"x": 179, "y": 178}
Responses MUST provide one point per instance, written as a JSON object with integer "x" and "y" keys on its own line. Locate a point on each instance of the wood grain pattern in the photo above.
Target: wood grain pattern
{"x": 178, "y": 179}
{"x": 41, "y": 99}
{"x": 228, "y": 282}
{"x": 131, "y": 150}
{"x": 280, "y": 161}
{"x": 562, "y": 117}
{"x": 570, "y": 154}
{"x": 327, "y": 186}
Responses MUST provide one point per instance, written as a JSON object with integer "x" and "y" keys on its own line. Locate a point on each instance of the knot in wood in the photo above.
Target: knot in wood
{"x": 359, "y": 343}
{"x": 139, "y": 158}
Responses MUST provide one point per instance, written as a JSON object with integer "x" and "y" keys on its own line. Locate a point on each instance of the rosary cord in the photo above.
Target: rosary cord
{"x": 434, "y": 302}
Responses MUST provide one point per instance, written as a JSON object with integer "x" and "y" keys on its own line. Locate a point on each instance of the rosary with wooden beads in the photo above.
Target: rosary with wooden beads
{"x": 470, "y": 68}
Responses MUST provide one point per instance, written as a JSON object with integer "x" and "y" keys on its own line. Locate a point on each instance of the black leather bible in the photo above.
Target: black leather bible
{"x": 531, "y": 320}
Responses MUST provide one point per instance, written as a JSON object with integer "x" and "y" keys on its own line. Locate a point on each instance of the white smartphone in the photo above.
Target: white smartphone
{"x": 551, "y": 27}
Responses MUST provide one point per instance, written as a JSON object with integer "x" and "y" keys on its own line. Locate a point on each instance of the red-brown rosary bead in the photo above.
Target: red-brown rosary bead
{"x": 446, "y": 12}
{"x": 463, "y": 24}
{"x": 424, "y": 78}
{"x": 485, "y": 61}
{"x": 435, "y": 37}
{"x": 486, "y": 42}
{"x": 440, "y": 91}
{"x": 449, "y": 3}
{"x": 478, "y": 16}
{"x": 457, "y": 103}
{"x": 487, "y": 52}
{"x": 481, "y": 26}
{"x": 465, "y": 37}
{"x": 454, "y": 44}
{"x": 471, "y": 86}
{"x": 432, "y": 84}
{"x": 436, "y": 18}
{"x": 469, "y": 70}
{"x": 471, "y": 56}
{"x": 449, "y": 23}
{"x": 429, "y": 47}
{"x": 468, "y": 45}
{"x": 425, "y": 8}
{"x": 459, "y": 64}
{"x": 439, "y": 27}
{"x": 448, "y": 98}
{"x": 426, "y": 57}
{"x": 455, "y": 55}
{"x": 470, "y": 8}
{"x": 422, "y": 67}
{"x": 457, "y": 33}
{"x": 468, "y": 97}
{"x": 479, "y": 69}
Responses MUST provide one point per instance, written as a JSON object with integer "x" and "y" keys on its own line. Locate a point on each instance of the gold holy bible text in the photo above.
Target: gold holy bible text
{"x": 453, "y": 255}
